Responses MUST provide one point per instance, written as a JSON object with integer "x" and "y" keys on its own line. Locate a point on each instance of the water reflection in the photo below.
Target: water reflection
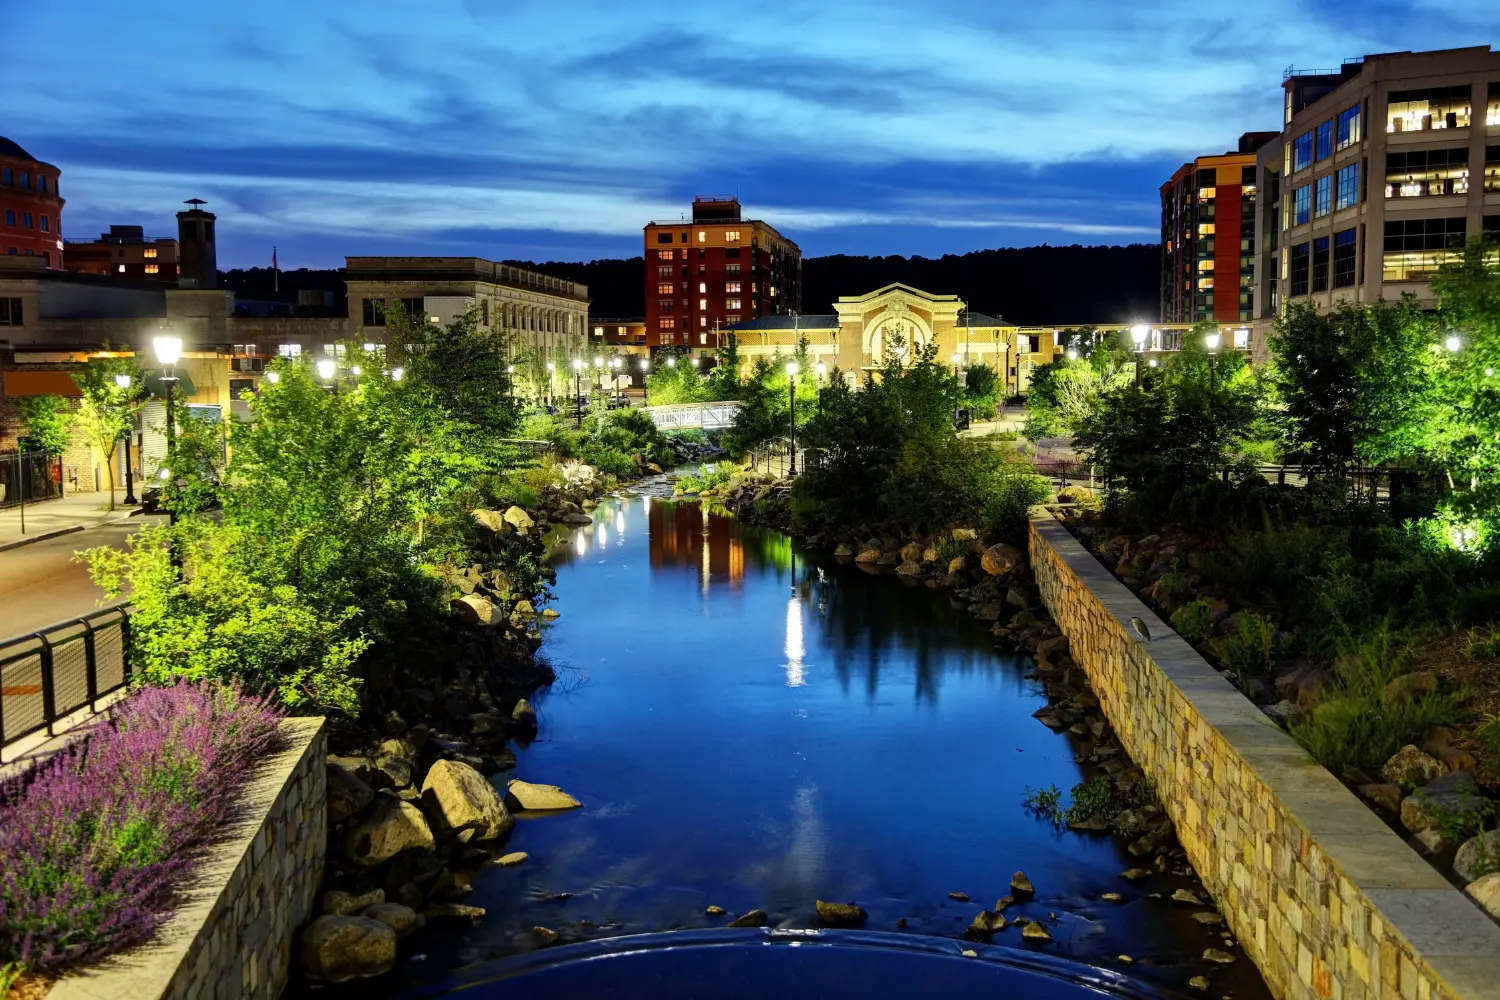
{"x": 684, "y": 535}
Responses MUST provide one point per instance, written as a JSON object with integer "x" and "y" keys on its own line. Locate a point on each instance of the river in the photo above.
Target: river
{"x": 753, "y": 727}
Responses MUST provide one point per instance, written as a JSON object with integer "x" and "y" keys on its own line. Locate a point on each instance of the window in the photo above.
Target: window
{"x": 664, "y": 254}
{"x": 735, "y": 268}
{"x": 663, "y": 305}
{"x": 665, "y": 288}
{"x": 10, "y": 309}
{"x": 120, "y": 269}
{"x": 1423, "y": 172}
{"x": 732, "y": 304}
{"x": 374, "y": 313}
{"x": 732, "y": 287}
{"x": 46, "y": 224}
{"x": 291, "y": 350}
{"x": 1205, "y": 229}
{"x": 664, "y": 271}
{"x": 1348, "y": 186}
{"x": 415, "y": 308}
{"x": 25, "y": 180}
{"x": 1302, "y": 204}
{"x": 41, "y": 183}
{"x": 10, "y": 217}
{"x": 702, "y": 287}
{"x": 26, "y": 220}
{"x": 702, "y": 236}
{"x": 664, "y": 238}
{"x": 732, "y": 253}
{"x": 684, "y": 239}
{"x": 1348, "y": 132}
{"x": 150, "y": 253}
{"x": 152, "y": 268}
{"x": 1492, "y": 168}
{"x": 11, "y": 251}
{"x": 598, "y": 331}
{"x": 702, "y": 303}
{"x": 1428, "y": 108}
{"x": 732, "y": 318}
{"x": 1415, "y": 248}
{"x": 1323, "y": 203}
{"x": 1320, "y": 264}
{"x": 7, "y": 177}
{"x": 1343, "y": 258}
{"x": 1302, "y": 151}
{"x": 1299, "y": 260}
{"x": 667, "y": 323}
{"x": 732, "y": 236}
{"x": 702, "y": 320}
{"x": 1324, "y": 140}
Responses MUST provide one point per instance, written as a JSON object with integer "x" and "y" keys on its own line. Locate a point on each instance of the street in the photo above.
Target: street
{"x": 42, "y": 583}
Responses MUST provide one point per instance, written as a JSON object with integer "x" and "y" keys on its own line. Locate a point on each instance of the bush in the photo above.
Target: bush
{"x": 96, "y": 841}
{"x": 1250, "y": 650}
{"x": 1191, "y": 621}
{"x": 708, "y": 477}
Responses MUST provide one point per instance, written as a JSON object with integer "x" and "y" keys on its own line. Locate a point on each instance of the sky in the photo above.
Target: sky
{"x": 555, "y": 130}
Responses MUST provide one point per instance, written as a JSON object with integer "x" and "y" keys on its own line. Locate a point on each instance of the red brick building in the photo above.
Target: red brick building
{"x": 30, "y": 207}
{"x": 714, "y": 271}
{"x": 125, "y": 252}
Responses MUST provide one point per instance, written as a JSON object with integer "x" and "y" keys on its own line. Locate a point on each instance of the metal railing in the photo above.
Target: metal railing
{"x": 1376, "y": 483}
{"x": 29, "y": 476}
{"x": 49, "y": 674}
{"x": 683, "y": 416}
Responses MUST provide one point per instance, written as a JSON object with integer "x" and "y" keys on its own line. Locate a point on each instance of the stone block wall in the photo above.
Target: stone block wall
{"x": 232, "y": 937}
{"x": 1327, "y": 901}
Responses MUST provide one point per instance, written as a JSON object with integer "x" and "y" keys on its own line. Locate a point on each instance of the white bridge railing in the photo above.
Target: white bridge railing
{"x": 683, "y": 416}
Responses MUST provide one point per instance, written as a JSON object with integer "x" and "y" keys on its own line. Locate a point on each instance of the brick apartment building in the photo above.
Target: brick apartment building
{"x": 124, "y": 251}
{"x": 714, "y": 271}
{"x": 30, "y": 207}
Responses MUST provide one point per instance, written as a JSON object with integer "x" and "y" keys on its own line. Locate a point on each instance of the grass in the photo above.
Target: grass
{"x": 1044, "y": 803}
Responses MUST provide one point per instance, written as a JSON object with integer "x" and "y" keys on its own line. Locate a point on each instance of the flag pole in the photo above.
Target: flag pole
{"x": 275, "y": 272}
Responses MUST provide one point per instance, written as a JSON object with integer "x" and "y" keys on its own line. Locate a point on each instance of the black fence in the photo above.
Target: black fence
{"x": 47, "y": 675}
{"x": 1379, "y": 484}
{"x": 29, "y": 476}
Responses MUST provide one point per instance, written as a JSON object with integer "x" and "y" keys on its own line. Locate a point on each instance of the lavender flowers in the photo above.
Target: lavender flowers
{"x": 96, "y": 841}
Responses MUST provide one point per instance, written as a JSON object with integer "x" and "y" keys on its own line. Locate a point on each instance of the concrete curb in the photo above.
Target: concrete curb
{"x": 59, "y": 532}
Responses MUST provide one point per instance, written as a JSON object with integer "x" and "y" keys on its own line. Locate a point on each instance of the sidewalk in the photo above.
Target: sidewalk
{"x": 50, "y": 518}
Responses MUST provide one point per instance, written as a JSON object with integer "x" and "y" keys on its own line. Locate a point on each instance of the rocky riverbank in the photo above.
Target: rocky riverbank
{"x": 415, "y": 807}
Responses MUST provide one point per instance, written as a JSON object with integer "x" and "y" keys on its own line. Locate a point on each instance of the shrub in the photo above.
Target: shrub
{"x": 1175, "y": 586}
{"x": 95, "y": 842}
{"x": 1191, "y": 621}
{"x": 1044, "y": 803}
{"x": 1250, "y": 650}
{"x": 709, "y": 477}
{"x": 1092, "y": 799}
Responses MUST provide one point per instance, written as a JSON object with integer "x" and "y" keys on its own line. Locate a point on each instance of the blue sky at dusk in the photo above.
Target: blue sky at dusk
{"x": 555, "y": 130}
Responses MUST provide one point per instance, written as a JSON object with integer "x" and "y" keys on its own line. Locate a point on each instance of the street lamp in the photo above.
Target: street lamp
{"x": 614, "y": 364}
{"x": 1138, "y": 334}
{"x": 1453, "y": 343}
{"x": 551, "y": 368}
{"x": 578, "y": 389}
{"x": 1212, "y": 340}
{"x": 821, "y": 369}
{"x": 1072, "y": 354}
{"x": 954, "y": 359}
{"x": 123, "y": 381}
{"x": 645, "y": 381}
{"x": 510, "y": 381}
{"x": 672, "y": 361}
{"x": 168, "y": 350}
{"x": 326, "y": 369}
{"x": 791, "y": 391}
{"x": 396, "y": 373}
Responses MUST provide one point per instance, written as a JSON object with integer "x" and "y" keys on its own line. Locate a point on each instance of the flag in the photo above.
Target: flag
{"x": 275, "y": 271}
{"x": 273, "y": 258}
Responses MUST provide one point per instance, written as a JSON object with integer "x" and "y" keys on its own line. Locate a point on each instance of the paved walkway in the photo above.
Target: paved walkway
{"x": 72, "y": 512}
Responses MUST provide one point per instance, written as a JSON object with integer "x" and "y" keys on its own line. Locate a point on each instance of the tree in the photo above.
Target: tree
{"x": 1466, "y": 438}
{"x": 108, "y": 408}
{"x": 47, "y": 419}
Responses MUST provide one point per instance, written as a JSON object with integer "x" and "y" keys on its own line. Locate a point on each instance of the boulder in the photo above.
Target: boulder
{"x": 347, "y": 795}
{"x": 984, "y": 926}
{"x": 1001, "y": 558}
{"x": 401, "y": 919}
{"x": 1409, "y": 686}
{"x": 1411, "y": 768}
{"x": 653, "y": 468}
{"x": 843, "y": 551}
{"x": 473, "y": 609}
{"x": 1034, "y": 931}
{"x": 521, "y": 795}
{"x": 867, "y": 556}
{"x": 493, "y": 520}
{"x": 342, "y": 904}
{"x": 1478, "y": 856}
{"x": 459, "y": 799}
{"x": 929, "y": 555}
{"x": 577, "y": 520}
{"x": 519, "y": 519}
{"x": 1302, "y": 685}
{"x": 755, "y": 918}
{"x": 360, "y": 767}
{"x": 1052, "y": 649}
{"x": 1021, "y": 886}
{"x": 909, "y": 568}
{"x": 523, "y": 608}
{"x": 512, "y": 859}
{"x": 339, "y": 948}
{"x": 956, "y": 564}
{"x": 1486, "y": 892}
{"x": 963, "y": 534}
{"x": 911, "y": 552}
{"x": 1388, "y": 797}
{"x": 1217, "y": 956}
{"x": 523, "y": 716}
{"x": 390, "y": 827}
{"x": 840, "y": 914}
{"x": 454, "y": 910}
{"x": 397, "y": 771}
{"x": 1451, "y": 793}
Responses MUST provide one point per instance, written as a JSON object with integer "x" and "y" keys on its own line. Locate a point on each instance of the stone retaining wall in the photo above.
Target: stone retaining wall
{"x": 1323, "y": 896}
{"x": 232, "y": 937}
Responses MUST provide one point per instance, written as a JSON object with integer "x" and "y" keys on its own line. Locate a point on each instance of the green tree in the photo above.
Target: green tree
{"x": 108, "y": 408}
{"x": 1465, "y": 438}
{"x": 47, "y": 419}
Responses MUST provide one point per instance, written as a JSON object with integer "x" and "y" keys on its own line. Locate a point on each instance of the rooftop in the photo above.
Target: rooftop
{"x": 8, "y": 147}
{"x": 829, "y": 321}
{"x": 420, "y": 269}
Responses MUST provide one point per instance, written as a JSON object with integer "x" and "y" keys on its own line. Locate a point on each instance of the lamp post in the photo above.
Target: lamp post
{"x": 645, "y": 381}
{"x": 168, "y": 350}
{"x": 328, "y": 372}
{"x": 614, "y": 364}
{"x": 510, "y": 381}
{"x": 578, "y": 390}
{"x": 1138, "y": 334}
{"x": 954, "y": 359}
{"x": 1212, "y": 340}
{"x": 791, "y": 392}
{"x": 1453, "y": 343}
{"x": 123, "y": 381}
{"x": 822, "y": 370}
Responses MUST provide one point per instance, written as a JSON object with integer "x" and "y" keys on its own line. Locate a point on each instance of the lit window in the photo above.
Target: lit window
{"x": 599, "y": 330}
{"x": 732, "y": 287}
{"x": 150, "y": 252}
{"x": 1415, "y": 248}
{"x": 664, "y": 288}
{"x": 702, "y": 338}
{"x": 732, "y": 236}
{"x": 152, "y": 268}
{"x": 702, "y": 303}
{"x": 702, "y": 236}
{"x": 1205, "y": 284}
{"x": 667, "y": 323}
{"x": 622, "y": 331}
{"x": 1206, "y": 265}
{"x": 1205, "y": 229}
{"x": 663, "y": 255}
{"x": 773, "y": 290}
{"x": 702, "y": 287}
{"x": 1207, "y": 193}
{"x": 122, "y": 268}
{"x": 732, "y": 304}
{"x": 702, "y": 320}
{"x": 1428, "y": 108}
{"x": 1427, "y": 172}
{"x": 289, "y": 350}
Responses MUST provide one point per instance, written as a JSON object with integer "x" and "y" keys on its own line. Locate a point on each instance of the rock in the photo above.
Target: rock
{"x": 523, "y": 608}
{"x": 577, "y": 520}
{"x": 401, "y": 919}
{"x": 1134, "y": 874}
{"x": 1111, "y": 897}
{"x": 397, "y": 771}
{"x": 1478, "y": 856}
{"x": 360, "y": 767}
{"x": 840, "y": 914}
{"x": 545, "y": 935}
{"x": 929, "y": 555}
{"x": 474, "y": 610}
{"x": 459, "y": 799}
{"x": 1410, "y": 768}
{"x": 984, "y": 926}
{"x": 512, "y": 859}
{"x": 1302, "y": 685}
{"x": 493, "y": 520}
{"x": 715, "y": 911}
{"x": 956, "y": 564}
{"x": 551, "y": 614}
{"x": 390, "y": 827}
{"x": 1454, "y": 793}
{"x": 1408, "y": 686}
{"x": 969, "y": 953}
{"x": 1127, "y": 959}
{"x": 1003, "y": 902}
{"x": 523, "y": 717}
{"x": 1199, "y": 983}
{"x": 843, "y": 551}
{"x": 392, "y": 724}
{"x": 911, "y": 552}
{"x": 407, "y": 894}
{"x": 1387, "y": 797}
{"x": 1052, "y": 649}
{"x": 959, "y": 897}
{"x": 524, "y": 795}
{"x": 519, "y": 519}
{"x": 339, "y": 948}
{"x": 1034, "y": 931}
{"x": 653, "y": 468}
{"x": 963, "y": 534}
{"x": 1209, "y": 918}
{"x": 347, "y": 795}
{"x": 1186, "y": 896}
{"x": 1283, "y": 713}
{"x": 888, "y": 559}
{"x": 868, "y": 556}
{"x": 1486, "y": 892}
{"x": 1001, "y": 559}
{"x": 1217, "y": 957}
{"x": 989, "y": 612}
{"x": 459, "y": 910}
{"x": 1021, "y": 886}
{"x": 910, "y": 568}
{"x": 1431, "y": 841}
{"x": 755, "y": 918}
{"x": 343, "y": 904}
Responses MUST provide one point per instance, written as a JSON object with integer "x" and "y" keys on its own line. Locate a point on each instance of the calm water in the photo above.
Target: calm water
{"x": 751, "y": 727}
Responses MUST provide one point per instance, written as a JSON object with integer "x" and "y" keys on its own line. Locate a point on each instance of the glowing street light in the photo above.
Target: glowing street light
{"x": 168, "y": 350}
{"x": 397, "y": 374}
{"x": 1138, "y": 334}
{"x": 1212, "y": 340}
{"x": 326, "y": 369}
{"x": 1453, "y": 343}
{"x": 273, "y": 377}
{"x": 122, "y": 382}
{"x": 672, "y": 361}
{"x": 791, "y": 391}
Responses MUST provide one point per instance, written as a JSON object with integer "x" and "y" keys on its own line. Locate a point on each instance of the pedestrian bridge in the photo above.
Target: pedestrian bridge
{"x": 685, "y": 416}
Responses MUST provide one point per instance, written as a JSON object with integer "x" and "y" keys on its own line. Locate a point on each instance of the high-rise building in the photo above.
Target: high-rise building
{"x": 1384, "y": 167}
{"x": 30, "y": 207}
{"x": 1207, "y": 236}
{"x": 124, "y": 251}
{"x": 715, "y": 271}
